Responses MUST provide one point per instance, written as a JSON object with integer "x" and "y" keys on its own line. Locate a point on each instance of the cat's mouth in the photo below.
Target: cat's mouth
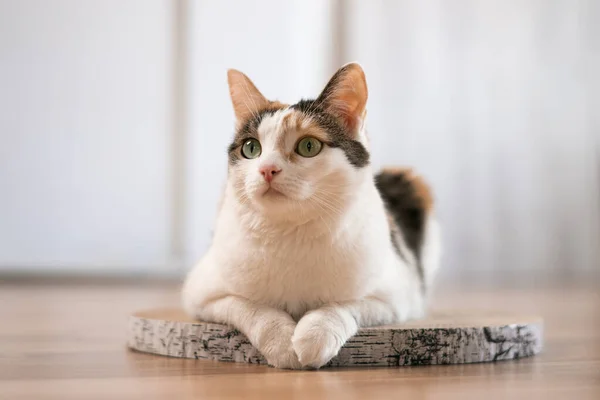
{"x": 271, "y": 192}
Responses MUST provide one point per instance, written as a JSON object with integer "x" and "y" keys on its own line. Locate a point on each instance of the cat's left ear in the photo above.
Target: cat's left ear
{"x": 345, "y": 96}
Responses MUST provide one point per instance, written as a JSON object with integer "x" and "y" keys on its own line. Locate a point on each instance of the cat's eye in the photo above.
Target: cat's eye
{"x": 309, "y": 147}
{"x": 251, "y": 148}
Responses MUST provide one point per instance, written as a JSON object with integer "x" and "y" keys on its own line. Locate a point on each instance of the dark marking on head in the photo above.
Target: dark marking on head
{"x": 339, "y": 137}
{"x": 249, "y": 129}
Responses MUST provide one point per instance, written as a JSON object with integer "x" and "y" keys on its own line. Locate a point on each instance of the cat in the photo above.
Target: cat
{"x": 309, "y": 245}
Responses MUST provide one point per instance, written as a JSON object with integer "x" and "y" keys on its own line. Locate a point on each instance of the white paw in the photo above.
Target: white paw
{"x": 277, "y": 348}
{"x": 316, "y": 340}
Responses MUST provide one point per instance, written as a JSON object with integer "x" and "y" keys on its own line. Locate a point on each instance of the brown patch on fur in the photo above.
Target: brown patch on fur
{"x": 288, "y": 124}
{"x": 277, "y": 104}
{"x": 295, "y": 126}
{"x": 299, "y": 118}
{"x": 421, "y": 189}
{"x": 287, "y": 121}
{"x": 338, "y": 135}
{"x": 307, "y": 126}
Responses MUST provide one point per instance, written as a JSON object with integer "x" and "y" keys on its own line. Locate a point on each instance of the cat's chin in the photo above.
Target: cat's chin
{"x": 270, "y": 201}
{"x": 273, "y": 194}
{"x": 275, "y": 203}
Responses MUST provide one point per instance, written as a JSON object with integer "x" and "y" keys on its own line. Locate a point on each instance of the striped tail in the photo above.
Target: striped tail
{"x": 409, "y": 204}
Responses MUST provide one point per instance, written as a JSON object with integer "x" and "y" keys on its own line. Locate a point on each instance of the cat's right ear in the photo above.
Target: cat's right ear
{"x": 345, "y": 96}
{"x": 245, "y": 97}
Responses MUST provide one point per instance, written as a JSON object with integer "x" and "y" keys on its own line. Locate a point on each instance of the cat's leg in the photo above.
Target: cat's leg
{"x": 321, "y": 333}
{"x": 269, "y": 330}
{"x": 205, "y": 295}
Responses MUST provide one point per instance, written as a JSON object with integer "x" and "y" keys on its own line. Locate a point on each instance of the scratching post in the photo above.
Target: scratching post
{"x": 442, "y": 338}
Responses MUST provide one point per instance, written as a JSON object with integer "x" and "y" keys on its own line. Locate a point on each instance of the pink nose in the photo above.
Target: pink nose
{"x": 269, "y": 171}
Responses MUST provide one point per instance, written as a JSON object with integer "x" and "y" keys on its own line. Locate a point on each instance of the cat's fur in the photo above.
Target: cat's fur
{"x": 300, "y": 263}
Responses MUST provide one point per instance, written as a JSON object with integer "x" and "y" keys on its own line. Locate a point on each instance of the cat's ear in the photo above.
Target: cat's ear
{"x": 245, "y": 97}
{"x": 345, "y": 96}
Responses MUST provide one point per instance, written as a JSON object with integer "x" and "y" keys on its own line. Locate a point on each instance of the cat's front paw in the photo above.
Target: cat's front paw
{"x": 278, "y": 350}
{"x": 316, "y": 341}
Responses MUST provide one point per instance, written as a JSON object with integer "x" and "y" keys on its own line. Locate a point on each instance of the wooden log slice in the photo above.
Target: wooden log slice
{"x": 445, "y": 337}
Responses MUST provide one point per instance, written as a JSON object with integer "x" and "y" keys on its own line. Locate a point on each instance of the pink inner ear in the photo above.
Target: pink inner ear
{"x": 347, "y": 95}
{"x": 351, "y": 113}
{"x": 349, "y": 107}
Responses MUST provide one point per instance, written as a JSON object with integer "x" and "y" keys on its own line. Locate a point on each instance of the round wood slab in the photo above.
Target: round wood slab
{"x": 442, "y": 338}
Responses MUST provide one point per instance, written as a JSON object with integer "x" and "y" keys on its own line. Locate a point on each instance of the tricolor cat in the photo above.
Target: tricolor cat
{"x": 309, "y": 245}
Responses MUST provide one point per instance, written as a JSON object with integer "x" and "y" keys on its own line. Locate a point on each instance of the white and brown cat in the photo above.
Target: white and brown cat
{"x": 309, "y": 245}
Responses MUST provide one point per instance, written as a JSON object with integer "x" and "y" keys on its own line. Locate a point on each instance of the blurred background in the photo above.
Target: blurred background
{"x": 115, "y": 117}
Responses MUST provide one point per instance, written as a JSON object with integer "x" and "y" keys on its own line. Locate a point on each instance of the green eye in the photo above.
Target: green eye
{"x": 251, "y": 148}
{"x": 309, "y": 147}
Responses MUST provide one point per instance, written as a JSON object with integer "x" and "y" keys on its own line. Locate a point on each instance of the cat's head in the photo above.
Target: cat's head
{"x": 300, "y": 158}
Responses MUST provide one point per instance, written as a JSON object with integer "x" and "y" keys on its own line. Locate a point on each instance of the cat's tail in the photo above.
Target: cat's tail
{"x": 409, "y": 203}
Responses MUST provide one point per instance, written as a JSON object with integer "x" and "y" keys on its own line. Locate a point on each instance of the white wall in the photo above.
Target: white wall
{"x": 115, "y": 117}
{"x": 85, "y": 122}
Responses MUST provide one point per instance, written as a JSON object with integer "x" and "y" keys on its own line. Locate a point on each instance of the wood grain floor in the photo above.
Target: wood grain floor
{"x": 66, "y": 341}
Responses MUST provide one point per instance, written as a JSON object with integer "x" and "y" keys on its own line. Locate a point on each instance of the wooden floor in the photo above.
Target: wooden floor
{"x": 66, "y": 341}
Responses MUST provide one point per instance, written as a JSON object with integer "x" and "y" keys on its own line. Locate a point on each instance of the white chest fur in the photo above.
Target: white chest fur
{"x": 306, "y": 266}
